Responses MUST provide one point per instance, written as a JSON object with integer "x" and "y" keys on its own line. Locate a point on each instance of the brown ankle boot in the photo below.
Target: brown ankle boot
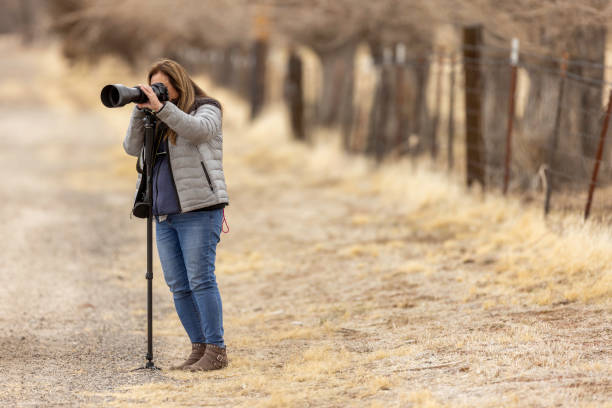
{"x": 214, "y": 358}
{"x": 197, "y": 351}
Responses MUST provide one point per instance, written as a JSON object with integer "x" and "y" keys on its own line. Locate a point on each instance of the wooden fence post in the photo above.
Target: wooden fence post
{"x": 475, "y": 153}
{"x": 258, "y": 76}
{"x": 451, "y": 116}
{"x": 259, "y": 58}
{"x": 554, "y": 137}
{"x": 421, "y": 71}
{"x": 400, "y": 135}
{"x": 436, "y": 118}
{"x": 386, "y": 70}
{"x": 294, "y": 95}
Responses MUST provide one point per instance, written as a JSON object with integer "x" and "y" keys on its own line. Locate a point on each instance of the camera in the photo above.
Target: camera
{"x": 114, "y": 96}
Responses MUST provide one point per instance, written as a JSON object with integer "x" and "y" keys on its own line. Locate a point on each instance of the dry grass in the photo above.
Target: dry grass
{"x": 347, "y": 285}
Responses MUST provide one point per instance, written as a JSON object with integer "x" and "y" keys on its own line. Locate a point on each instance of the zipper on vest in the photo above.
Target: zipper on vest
{"x": 207, "y": 177}
{"x": 178, "y": 200}
{"x": 156, "y": 207}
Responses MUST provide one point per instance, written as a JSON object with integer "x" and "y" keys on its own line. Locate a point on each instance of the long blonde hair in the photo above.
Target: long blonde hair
{"x": 187, "y": 90}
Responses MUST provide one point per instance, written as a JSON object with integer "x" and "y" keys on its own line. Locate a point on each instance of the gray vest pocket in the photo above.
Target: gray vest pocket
{"x": 207, "y": 176}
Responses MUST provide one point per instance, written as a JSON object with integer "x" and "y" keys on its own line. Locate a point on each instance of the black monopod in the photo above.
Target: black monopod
{"x": 114, "y": 96}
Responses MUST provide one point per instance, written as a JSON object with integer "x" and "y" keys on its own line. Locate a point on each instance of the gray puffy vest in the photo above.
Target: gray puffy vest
{"x": 196, "y": 161}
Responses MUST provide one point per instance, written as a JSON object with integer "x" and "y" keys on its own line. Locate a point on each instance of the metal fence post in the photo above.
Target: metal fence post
{"x": 514, "y": 54}
{"x": 602, "y": 139}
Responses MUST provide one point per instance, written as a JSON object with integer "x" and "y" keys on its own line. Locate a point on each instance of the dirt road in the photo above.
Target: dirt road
{"x": 334, "y": 292}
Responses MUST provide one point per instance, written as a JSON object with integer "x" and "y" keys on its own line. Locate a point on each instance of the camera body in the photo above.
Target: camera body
{"x": 117, "y": 95}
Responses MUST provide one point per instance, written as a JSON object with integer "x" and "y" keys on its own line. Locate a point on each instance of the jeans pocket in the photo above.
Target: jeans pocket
{"x": 217, "y": 223}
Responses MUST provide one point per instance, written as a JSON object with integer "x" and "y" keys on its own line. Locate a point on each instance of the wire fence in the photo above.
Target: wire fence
{"x": 516, "y": 121}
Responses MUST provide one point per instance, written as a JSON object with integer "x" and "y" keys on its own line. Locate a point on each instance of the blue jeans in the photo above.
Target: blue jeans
{"x": 187, "y": 245}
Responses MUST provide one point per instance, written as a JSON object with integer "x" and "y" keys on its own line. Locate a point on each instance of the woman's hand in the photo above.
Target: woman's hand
{"x": 154, "y": 104}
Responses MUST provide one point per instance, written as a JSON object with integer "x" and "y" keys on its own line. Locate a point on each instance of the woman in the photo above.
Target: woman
{"x": 189, "y": 194}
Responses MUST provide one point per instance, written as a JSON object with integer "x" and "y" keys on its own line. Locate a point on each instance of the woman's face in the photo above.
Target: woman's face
{"x": 163, "y": 78}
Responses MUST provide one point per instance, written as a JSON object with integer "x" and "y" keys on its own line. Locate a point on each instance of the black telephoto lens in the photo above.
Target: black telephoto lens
{"x": 117, "y": 95}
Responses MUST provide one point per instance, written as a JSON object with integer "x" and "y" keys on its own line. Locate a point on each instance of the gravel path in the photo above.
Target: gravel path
{"x": 67, "y": 321}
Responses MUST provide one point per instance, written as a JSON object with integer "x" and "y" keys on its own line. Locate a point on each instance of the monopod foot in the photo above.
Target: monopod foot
{"x": 149, "y": 365}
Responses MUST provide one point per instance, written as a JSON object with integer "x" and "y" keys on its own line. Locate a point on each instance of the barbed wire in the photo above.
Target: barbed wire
{"x": 572, "y": 120}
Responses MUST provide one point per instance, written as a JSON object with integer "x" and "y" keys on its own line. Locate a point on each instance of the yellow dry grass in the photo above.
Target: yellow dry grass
{"x": 297, "y": 339}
